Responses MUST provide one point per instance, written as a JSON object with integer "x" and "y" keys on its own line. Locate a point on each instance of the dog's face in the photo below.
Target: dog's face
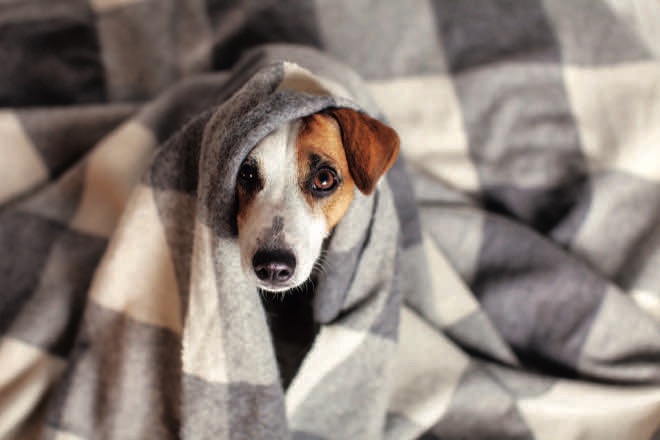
{"x": 296, "y": 185}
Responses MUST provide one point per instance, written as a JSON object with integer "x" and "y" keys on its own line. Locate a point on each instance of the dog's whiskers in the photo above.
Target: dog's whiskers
{"x": 321, "y": 263}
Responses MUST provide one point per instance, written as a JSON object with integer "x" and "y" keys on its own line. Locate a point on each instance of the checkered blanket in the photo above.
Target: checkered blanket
{"x": 502, "y": 282}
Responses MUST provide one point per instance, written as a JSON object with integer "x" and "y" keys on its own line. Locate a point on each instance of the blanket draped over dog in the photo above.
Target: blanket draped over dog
{"x": 502, "y": 282}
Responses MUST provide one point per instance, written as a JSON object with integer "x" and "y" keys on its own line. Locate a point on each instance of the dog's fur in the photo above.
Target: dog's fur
{"x": 292, "y": 189}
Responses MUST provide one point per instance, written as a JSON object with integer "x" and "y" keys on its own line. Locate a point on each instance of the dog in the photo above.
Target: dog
{"x": 296, "y": 185}
{"x": 292, "y": 189}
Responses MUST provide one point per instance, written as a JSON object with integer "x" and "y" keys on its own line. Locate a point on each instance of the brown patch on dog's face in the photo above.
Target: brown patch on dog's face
{"x": 323, "y": 171}
{"x": 249, "y": 183}
{"x": 371, "y": 147}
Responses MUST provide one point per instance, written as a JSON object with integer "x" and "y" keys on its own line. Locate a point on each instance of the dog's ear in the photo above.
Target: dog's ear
{"x": 371, "y": 147}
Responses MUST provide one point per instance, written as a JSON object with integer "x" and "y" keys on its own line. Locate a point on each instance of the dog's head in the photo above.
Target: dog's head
{"x": 296, "y": 185}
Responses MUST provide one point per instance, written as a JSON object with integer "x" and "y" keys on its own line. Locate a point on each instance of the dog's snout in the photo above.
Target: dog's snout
{"x": 274, "y": 266}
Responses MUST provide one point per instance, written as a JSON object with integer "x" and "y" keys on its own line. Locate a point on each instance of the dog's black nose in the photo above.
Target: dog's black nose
{"x": 275, "y": 266}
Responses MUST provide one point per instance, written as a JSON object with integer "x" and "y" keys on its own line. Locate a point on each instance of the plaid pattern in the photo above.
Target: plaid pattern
{"x": 516, "y": 294}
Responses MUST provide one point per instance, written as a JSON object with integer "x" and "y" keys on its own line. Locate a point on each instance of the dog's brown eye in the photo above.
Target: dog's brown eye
{"x": 248, "y": 176}
{"x": 325, "y": 179}
{"x": 247, "y": 172}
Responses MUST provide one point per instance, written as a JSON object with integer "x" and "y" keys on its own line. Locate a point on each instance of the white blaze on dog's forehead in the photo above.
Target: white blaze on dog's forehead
{"x": 276, "y": 160}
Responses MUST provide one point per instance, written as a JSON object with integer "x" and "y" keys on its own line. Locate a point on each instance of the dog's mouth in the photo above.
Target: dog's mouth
{"x": 277, "y": 287}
